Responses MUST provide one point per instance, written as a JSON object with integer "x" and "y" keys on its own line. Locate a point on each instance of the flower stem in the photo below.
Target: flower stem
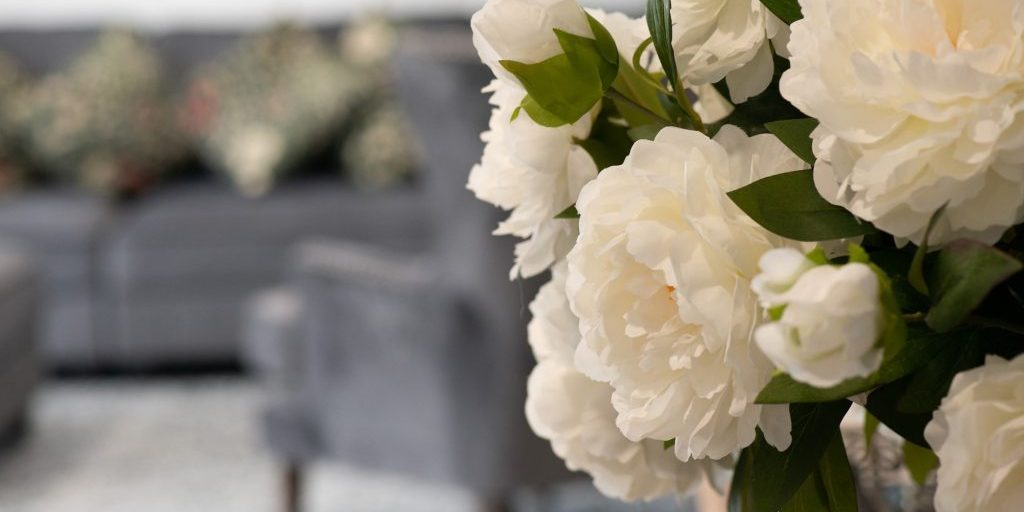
{"x": 975, "y": 320}
{"x": 614, "y": 94}
{"x": 996, "y": 323}
{"x": 684, "y": 103}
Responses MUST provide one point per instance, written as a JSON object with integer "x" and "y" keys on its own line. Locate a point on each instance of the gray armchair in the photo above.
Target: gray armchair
{"x": 410, "y": 362}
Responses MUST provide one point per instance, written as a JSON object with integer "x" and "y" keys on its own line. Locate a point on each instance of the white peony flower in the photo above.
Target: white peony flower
{"x": 576, "y": 415}
{"x": 660, "y": 280}
{"x": 536, "y": 172}
{"x": 832, "y": 321}
{"x": 716, "y": 39}
{"x": 918, "y": 103}
{"x": 977, "y": 433}
{"x": 523, "y": 31}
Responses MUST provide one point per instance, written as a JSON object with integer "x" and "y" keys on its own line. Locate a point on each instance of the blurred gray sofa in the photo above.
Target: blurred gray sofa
{"x": 412, "y": 362}
{"x": 19, "y": 364}
{"x": 161, "y": 281}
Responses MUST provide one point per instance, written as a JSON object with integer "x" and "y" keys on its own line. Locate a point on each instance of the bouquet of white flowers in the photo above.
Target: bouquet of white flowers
{"x": 755, "y": 213}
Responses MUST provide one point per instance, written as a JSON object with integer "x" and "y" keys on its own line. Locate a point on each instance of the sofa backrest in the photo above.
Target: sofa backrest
{"x": 439, "y": 79}
{"x": 46, "y": 51}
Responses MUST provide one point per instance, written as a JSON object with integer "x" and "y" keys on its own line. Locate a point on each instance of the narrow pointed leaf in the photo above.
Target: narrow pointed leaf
{"x": 786, "y": 10}
{"x": 920, "y": 461}
{"x": 767, "y": 478}
{"x": 789, "y": 205}
{"x": 659, "y": 21}
{"x": 962, "y": 276}
{"x": 796, "y": 135}
{"x": 831, "y": 487}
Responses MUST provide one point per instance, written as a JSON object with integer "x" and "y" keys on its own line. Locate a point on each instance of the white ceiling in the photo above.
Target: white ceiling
{"x": 158, "y": 15}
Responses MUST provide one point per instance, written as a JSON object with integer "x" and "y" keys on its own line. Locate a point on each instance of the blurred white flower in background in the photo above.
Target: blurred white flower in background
{"x": 660, "y": 279}
{"x": 832, "y": 321}
{"x": 576, "y": 415}
{"x": 918, "y": 104}
{"x": 977, "y": 434}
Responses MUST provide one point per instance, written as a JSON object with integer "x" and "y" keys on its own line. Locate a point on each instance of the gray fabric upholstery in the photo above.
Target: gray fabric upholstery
{"x": 20, "y": 292}
{"x": 415, "y": 361}
{"x": 63, "y": 228}
{"x": 176, "y": 270}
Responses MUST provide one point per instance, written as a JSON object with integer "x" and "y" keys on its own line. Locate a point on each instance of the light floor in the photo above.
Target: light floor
{"x": 192, "y": 445}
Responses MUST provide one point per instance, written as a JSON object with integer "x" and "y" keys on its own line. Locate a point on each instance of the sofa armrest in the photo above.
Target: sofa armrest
{"x": 358, "y": 264}
{"x": 272, "y": 337}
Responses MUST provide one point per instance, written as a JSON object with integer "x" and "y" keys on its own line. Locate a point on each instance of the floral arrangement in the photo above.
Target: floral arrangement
{"x": 759, "y": 215}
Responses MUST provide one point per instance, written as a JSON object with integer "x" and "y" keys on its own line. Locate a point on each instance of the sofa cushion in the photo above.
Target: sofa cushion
{"x": 104, "y": 122}
{"x": 261, "y": 109}
{"x": 178, "y": 267}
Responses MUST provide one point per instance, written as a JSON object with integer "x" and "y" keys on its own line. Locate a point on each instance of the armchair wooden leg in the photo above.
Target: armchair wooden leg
{"x": 292, "y": 479}
{"x": 496, "y": 504}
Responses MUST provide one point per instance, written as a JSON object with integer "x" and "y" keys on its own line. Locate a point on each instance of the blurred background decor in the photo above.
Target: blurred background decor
{"x": 274, "y": 99}
{"x": 105, "y": 122}
{"x": 236, "y": 251}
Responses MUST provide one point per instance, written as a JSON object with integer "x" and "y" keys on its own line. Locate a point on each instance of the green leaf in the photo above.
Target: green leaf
{"x": 665, "y": 445}
{"x": 645, "y": 132}
{"x": 916, "y": 274}
{"x": 741, "y": 491}
{"x": 818, "y": 256}
{"x": 786, "y": 10}
{"x": 562, "y": 89}
{"x": 962, "y": 276}
{"x": 906, "y": 405}
{"x": 789, "y": 205}
{"x": 831, "y": 487}
{"x": 569, "y": 213}
{"x": 765, "y": 478}
{"x": 896, "y": 263}
{"x": 858, "y": 254}
{"x": 659, "y": 22}
{"x": 796, "y": 135}
{"x": 607, "y": 48}
{"x": 871, "y": 424}
{"x": 556, "y": 90}
{"x": 632, "y": 84}
{"x": 608, "y": 144}
{"x": 838, "y": 477}
{"x": 538, "y": 113}
{"x": 920, "y": 461}
{"x": 812, "y": 496}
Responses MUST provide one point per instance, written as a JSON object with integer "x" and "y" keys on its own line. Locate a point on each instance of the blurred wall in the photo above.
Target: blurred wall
{"x": 160, "y": 15}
